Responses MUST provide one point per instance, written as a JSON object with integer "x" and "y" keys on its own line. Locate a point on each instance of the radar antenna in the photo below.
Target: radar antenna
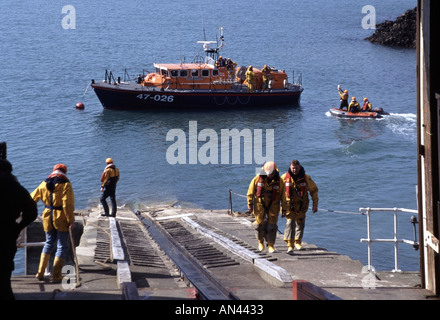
{"x": 213, "y": 53}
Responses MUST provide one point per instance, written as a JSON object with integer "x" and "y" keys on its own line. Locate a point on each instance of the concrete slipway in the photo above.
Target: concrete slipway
{"x": 312, "y": 273}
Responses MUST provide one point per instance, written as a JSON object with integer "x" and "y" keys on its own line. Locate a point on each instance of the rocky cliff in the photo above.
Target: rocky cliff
{"x": 398, "y": 33}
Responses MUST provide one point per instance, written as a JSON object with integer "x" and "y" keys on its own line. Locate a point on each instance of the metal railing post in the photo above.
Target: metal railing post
{"x": 25, "y": 253}
{"x": 396, "y": 244}
{"x": 230, "y": 200}
{"x": 395, "y": 240}
{"x": 369, "y": 240}
{"x": 24, "y": 244}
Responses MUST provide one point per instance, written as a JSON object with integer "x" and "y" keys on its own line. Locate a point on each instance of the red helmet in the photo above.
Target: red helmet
{"x": 61, "y": 167}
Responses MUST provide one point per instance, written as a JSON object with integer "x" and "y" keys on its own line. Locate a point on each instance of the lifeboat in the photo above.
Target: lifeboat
{"x": 208, "y": 82}
{"x": 374, "y": 114}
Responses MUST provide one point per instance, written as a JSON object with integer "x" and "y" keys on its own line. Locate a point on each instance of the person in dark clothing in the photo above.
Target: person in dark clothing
{"x": 109, "y": 179}
{"x": 16, "y": 205}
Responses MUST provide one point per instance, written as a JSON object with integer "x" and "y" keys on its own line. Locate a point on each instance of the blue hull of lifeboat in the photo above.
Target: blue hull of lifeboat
{"x": 136, "y": 97}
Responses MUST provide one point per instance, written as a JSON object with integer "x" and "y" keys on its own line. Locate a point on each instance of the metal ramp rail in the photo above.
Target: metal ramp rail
{"x": 395, "y": 240}
{"x": 22, "y": 243}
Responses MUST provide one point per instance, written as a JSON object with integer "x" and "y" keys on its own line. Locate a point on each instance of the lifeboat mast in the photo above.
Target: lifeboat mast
{"x": 212, "y": 54}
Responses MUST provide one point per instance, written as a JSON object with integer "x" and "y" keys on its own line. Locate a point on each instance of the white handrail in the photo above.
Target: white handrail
{"x": 396, "y": 241}
{"x": 22, "y": 243}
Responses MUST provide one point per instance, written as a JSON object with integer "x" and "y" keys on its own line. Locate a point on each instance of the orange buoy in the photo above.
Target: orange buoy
{"x": 80, "y": 105}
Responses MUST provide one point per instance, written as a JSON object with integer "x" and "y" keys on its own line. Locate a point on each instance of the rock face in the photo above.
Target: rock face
{"x": 398, "y": 33}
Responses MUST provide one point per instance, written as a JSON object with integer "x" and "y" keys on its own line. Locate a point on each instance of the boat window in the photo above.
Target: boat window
{"x": 184, "y": 73}
{"x": 164, "y": 72}
{"x": 174, "y": 73}
{"x": 157, "y": 70}
{"x": 205, "y": 73}
{"x": 194, "y": 73}
{"x": 215, "y": 72}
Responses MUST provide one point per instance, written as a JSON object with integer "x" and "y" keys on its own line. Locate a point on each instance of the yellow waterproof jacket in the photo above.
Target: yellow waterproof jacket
{"x": 270, "y": 196}
{"x": 111, "y": 173}
{"x": 344, "y": 96}
{"x": 354, "y": 104}
{"x": 63, "y": 206}
{"x": 296, "y": 203}
{"x": 266, "y": 73}
{"x": 250, "y": 76}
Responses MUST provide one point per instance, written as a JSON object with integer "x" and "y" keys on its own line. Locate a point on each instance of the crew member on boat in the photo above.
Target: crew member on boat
{"x": 230, "y": 65}
{"x": 344, "y": 98}
{"x": 295, "y": 203}
{"x": 367, "y": 105}
{"x": 264, "y": 201}
{"x": 354, "y": 105}
{"x": 220, "y": 62}
{"x": 250, "y": 79}
{"x": 266, "y": 77}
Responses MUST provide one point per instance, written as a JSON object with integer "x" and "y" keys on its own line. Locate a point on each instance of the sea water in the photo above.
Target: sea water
{"x": 52, "y": 50}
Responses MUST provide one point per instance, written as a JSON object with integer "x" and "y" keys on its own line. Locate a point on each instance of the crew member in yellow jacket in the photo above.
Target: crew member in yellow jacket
{"x": 344, "y": 98}
{"x": 295, "y": 203}
{"x": 250, "y": 79}
{"x": 266, "y": 77}
{"x": 264, "y": 200}
{"x": 109, "y": 179}
{"x": 354, "y": 105}
{"x": 56, "y": 193}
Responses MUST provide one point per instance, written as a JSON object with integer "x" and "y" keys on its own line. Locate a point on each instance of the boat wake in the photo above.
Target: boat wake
{"x": 404, "y": 124}
{"x": 408, "y": 116}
